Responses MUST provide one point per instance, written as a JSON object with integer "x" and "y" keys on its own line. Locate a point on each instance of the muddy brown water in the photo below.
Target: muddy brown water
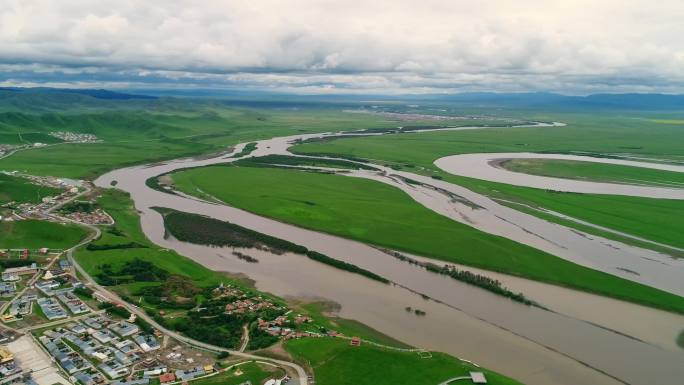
{"x": 586, "y": 339}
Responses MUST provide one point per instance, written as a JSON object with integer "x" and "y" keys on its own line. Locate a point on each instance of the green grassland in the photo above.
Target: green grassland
{"x": 34, "y": 234}
{"x": 596, "y": 172}
{"x": 153, "y": 132}
{"x": 341, "y": 205}
{"x": 127, "y": 230}
{"x": 584, "y": 134}
{"x": 20, "y": 190}
{"x": 335, "y": 362}
{"x": 251, "y": 371}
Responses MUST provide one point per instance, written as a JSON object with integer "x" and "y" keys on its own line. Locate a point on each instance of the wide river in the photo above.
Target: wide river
{"x": 586, "y": 339}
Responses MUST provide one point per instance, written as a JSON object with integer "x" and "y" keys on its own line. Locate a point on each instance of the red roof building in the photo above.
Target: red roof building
{"x": 167, "y": 377}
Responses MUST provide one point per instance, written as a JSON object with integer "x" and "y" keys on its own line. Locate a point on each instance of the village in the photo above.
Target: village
{"x": 64, "y": 203}
{"x": 87, "y": 338}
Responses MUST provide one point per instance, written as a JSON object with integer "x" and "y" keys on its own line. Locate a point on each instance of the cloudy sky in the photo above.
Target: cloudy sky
{"x": 386, "y": 46}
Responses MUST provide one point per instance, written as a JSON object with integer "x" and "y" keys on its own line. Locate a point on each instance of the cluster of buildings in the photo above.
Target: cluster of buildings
{"x": 14, "y": 274}
{"x": 48, "y": 181}
{"x": 55, "y": 295}
{"x": 98, "y": 349}
{"x": 95, "y": 217}
{"x": 244, "y": 302}
{"x": 10, "y": 371}
{"x": 187, "y": 374}
{"x": 8, "y": 289}
{"x": 75, "y": 137}
{"x": 282, "y": 326}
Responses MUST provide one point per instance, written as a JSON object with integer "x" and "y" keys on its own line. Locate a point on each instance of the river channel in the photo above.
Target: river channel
{"x": 586, "y": 339}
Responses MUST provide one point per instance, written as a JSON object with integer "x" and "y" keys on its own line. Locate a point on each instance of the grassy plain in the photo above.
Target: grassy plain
{"x": 375, "y": 213}
{"x": 596, "y": 172}
{"x": 252, "y": 372}
{"x": 153, "y": 131}
{"x": 584, "y": 134}
{"x": 33, "y": 234}
{"x": 335, "y": 362}
{"x": 127, "y": 229}
{"x": 20, "y": 190}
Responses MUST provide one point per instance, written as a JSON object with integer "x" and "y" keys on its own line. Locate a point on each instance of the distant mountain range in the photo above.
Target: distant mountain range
{"x": 625, "y": 101}
{"x": 95, "y": 93}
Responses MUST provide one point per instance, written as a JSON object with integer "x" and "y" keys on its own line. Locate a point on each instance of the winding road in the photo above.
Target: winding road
{"x": 533, "y": 345}
{"x": 90, "y": 281}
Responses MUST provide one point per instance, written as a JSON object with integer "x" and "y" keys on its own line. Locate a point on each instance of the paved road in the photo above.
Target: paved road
{"x": 301, "y": 374}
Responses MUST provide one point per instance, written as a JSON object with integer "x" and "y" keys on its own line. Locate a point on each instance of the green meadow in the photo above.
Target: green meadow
{"x": 148, "y": 131}
{"x": 585, "y": 134}
{"x": 595, "y": 172}
{"x": 250, "y": 371}
{"x": 334, "y": 352}
{"x": 20, "y": 190}
{"x": 33, "y": 234}
{"x": 379, "y": 214}
{"x": 335, "y": 362}
{"x": 128, "y": 230}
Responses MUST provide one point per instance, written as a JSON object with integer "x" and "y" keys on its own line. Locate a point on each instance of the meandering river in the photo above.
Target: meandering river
{"x": 586, "y": 339}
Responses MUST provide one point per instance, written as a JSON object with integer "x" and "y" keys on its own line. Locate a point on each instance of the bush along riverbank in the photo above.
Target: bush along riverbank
{"x": 468, "y": 277}
{"x": 198, "y": 229}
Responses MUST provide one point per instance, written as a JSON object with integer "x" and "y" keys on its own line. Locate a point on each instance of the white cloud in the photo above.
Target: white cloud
{"x": 392, "y": 44}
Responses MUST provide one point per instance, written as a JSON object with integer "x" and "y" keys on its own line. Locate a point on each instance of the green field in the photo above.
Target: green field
{"x": 127, "y": 229}
{"x": 417, "y": 152}
{"x": 33, "y": 234}
{"x": 253, "y": 372}
{"x": 335, "y": 362}
{"x": 341, "y": 205}
{"x": 596, "y": 172}
{"x": 152, "y": 131}
{"x": 20, "y": 190}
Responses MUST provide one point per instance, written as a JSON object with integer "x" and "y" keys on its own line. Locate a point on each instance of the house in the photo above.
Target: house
{"x": 167, "y": 377}
{"x": 124, "y": 329}
{"x": 147, "y": 342}
{"x": 7, "y": 289}
{"x": 52, "y": 309}
{"x": 140, "y": 381}
{"x": 5, "y": 356}
{"x": 103, "y": 336}
{"x": 113, "y": 369}
{"x": 9, "y": 273}
{"x": 77, "y": 328}
{"x": 47, "y": 287}
{"x": 84, "y": 378}
{"x": 185, "y": 375}
{"x": 75, "y": 305}
{"x": 156, "y": 371}
{"x": 126, "y": 346}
